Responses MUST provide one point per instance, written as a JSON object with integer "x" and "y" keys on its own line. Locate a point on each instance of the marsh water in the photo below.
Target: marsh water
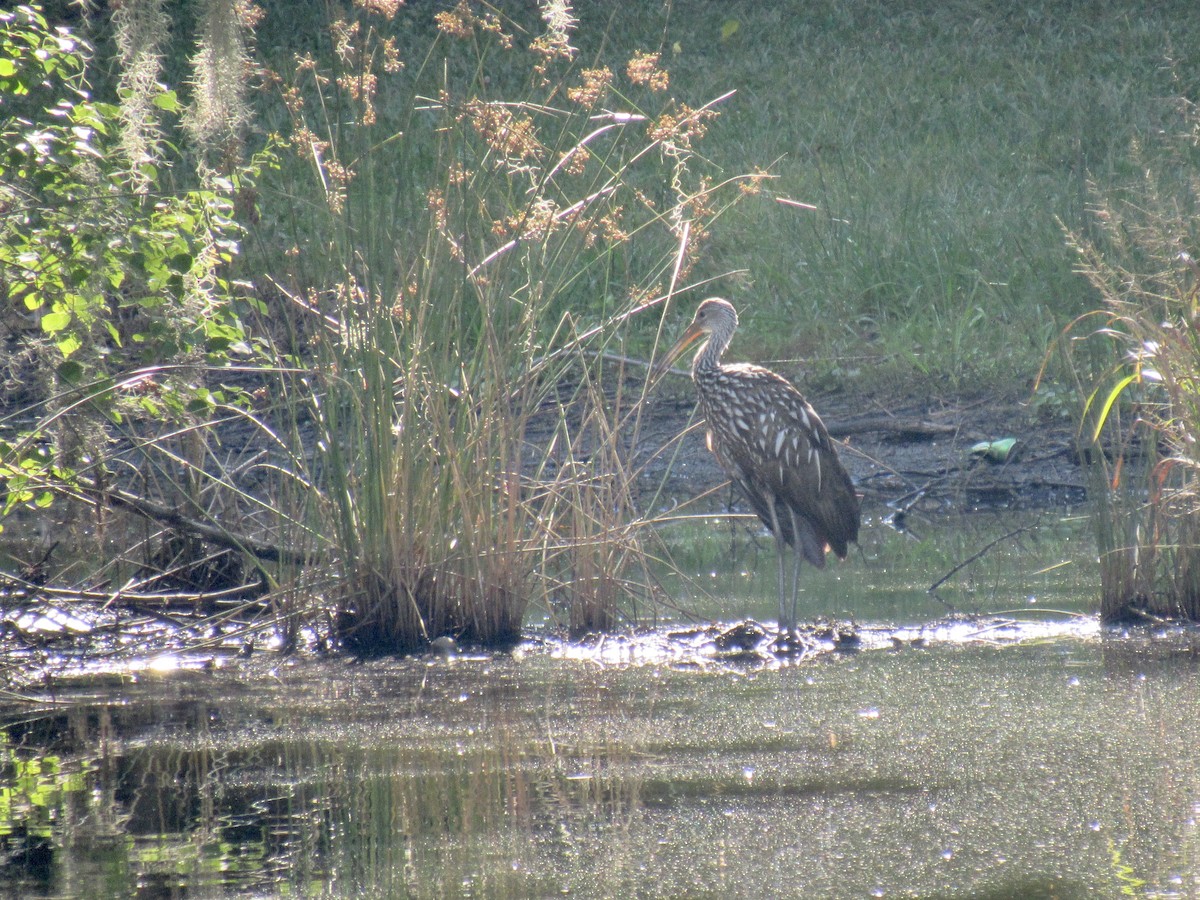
{"x": 987, "y": 741}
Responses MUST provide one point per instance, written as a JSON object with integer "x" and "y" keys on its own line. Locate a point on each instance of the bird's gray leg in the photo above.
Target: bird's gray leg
{"x": 797, "y": 556}
{"x": 785, "y": 624}
{"x": 780, "y": 555}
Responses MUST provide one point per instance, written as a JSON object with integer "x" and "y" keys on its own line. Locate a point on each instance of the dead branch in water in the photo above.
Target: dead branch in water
{"x": 167, "y": 515}
{"x": 970, "y": 559}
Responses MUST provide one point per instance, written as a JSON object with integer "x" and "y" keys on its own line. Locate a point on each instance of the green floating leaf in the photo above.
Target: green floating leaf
{"x": 997, "y": 451}
{"x": 730, "y": 28}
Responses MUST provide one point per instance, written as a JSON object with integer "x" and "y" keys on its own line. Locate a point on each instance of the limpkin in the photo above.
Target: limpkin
{"x": 774, "y": 446}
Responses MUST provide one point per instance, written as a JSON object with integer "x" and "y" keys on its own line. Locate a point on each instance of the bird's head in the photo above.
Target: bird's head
{"x": 713, "y": 316}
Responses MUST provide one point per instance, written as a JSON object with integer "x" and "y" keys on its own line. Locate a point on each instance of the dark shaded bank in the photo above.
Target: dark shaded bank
{"x": 906, "y": 452}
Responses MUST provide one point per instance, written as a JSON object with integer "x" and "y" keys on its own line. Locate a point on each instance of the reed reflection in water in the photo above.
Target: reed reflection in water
{"x": 1064, "y": 768}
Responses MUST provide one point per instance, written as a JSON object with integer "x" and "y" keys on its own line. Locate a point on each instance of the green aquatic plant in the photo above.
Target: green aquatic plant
{"x": 1137, "y": 364}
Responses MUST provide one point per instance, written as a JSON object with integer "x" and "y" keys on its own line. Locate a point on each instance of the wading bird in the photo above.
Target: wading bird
{"x": 771, "y": 442}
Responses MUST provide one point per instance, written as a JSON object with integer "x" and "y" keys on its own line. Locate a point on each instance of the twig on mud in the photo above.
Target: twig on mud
{"x": 22, "y": 589}
{"x": 170, "y": 516}
{"x": 970, "y": 559}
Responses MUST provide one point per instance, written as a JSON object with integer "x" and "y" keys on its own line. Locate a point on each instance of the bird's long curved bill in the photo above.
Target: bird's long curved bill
{"x": 689, "y": 337}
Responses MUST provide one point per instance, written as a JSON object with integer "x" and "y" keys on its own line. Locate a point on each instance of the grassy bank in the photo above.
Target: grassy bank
{"x": 942, "y": 144}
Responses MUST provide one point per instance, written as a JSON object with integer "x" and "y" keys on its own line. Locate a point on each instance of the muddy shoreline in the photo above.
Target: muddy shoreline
{"x": 905, "y": 453}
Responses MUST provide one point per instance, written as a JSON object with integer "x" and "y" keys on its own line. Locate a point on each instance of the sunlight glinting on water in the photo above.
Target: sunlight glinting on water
{"x": 701, "y": 647}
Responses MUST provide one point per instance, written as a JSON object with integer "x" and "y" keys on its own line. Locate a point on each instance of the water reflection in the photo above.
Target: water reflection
{"x": 953, "y": 758}
{"x": 987, "y": 562}
{"x": 1050, "y": 768}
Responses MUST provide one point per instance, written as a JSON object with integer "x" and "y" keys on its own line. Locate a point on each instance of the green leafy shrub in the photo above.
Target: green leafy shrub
{"x": 113, "y": 284}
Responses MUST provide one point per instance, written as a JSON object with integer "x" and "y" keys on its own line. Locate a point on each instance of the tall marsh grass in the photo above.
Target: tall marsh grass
{"x": 405, "y": 407}
{"x": 445, "y": 227}
{"x": 1137, "y": 362}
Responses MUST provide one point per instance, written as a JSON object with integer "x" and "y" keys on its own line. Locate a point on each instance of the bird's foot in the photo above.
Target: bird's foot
{"x": 800, "y": 640}
{"x": 789, "y": 642}
{"x": 841, "y": 636}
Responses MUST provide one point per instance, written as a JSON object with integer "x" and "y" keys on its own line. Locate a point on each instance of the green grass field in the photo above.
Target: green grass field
{"x": 942, "y": 143}
{"x": 944, "y": 146}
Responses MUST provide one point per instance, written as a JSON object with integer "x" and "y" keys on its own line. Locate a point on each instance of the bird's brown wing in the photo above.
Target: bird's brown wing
{"x": 778, "y": 450}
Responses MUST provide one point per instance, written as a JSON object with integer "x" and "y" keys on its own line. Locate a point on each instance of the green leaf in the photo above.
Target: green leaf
{"x": 7, "y": 68}
{"x": 168, "y": 101}
{"x": 68, "y": 344}
{"x": 997, "y": 451}
{"x": 1112, "y": 398}
{"x": 202, "y": 401}
{"x": 70, "y": 371}
{"x": 730, "y": 28}
{"x": 53, "y": 322}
